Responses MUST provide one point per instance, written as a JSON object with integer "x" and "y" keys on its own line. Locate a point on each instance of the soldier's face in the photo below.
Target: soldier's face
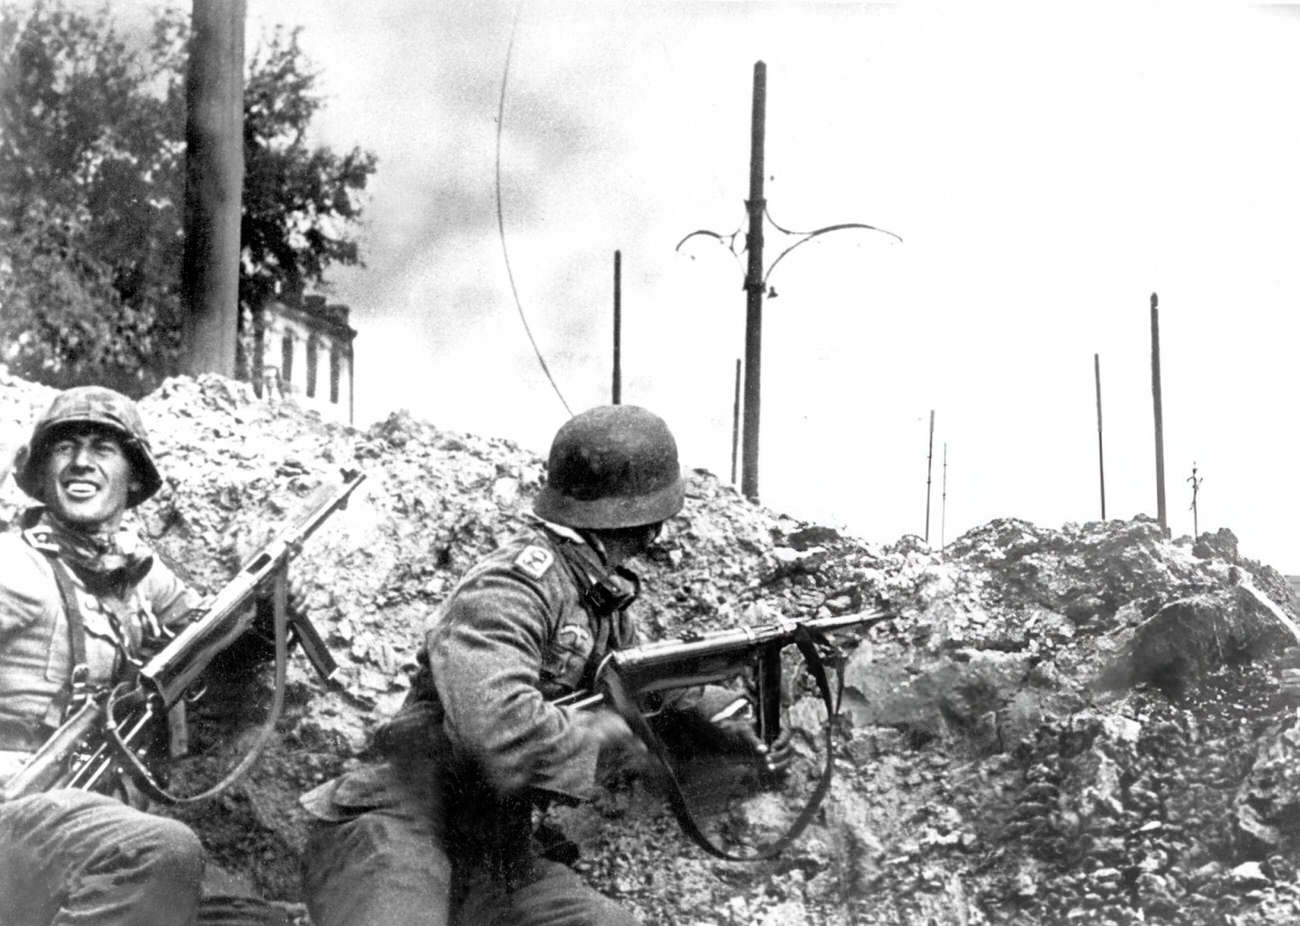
{"x": 87, "y": 478}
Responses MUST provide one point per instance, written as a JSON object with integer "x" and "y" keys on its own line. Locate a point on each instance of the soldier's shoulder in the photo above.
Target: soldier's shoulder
{"x": 529, "y": 555}
{"x": 21, "y": 564}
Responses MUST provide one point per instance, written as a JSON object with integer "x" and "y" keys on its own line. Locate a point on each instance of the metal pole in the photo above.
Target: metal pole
{"x": 618, "y": 328}
{"x": 756, "y": 206}
{"x": 1159, "y": 418}
{"x": 735, "y": 423}
{"x": 929, "y": 466}
{"x": 1101, "y": 457}
{"x": 943, "y": 504}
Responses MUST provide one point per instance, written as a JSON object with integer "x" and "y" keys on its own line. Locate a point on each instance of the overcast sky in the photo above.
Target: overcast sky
{"x": 1047, "y": 166}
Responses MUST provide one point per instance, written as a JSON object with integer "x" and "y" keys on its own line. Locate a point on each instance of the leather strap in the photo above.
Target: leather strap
{"x": 808, "y": 643}
{"x": 77, "y": 688}
{"x": 119, "y": 735}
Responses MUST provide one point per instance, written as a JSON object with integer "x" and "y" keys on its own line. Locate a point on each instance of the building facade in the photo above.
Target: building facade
{"x": 302, "y": 349}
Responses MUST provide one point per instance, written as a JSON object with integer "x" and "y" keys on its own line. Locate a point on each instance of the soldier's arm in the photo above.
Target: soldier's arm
{"x": 486, "y": 655}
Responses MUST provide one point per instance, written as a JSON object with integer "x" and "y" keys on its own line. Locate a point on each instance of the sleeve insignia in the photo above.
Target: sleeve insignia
{"x": 534, "y": 561}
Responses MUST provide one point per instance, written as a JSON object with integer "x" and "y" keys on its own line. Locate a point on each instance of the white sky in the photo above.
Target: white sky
{"x": 1047, "y": 166}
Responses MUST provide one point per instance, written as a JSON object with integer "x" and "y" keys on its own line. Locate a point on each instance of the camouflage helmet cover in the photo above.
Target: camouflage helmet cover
{"x": 612, "y": 466}
{"x": 94, "y": 405}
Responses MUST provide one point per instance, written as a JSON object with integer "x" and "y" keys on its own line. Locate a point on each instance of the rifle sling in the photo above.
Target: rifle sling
{"x": 807, "y": 643}
{"x": 76, "y": 687}
{"x": 144, "y": 778}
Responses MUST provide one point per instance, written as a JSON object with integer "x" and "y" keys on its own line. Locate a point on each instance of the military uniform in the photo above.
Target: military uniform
{"x": 74, "y": 853}
{"x": 84, "y": 602}
{"x": 444, "y": 825}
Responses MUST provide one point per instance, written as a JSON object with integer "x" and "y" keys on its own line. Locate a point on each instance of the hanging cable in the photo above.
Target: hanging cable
{"x": 501, "y": 225}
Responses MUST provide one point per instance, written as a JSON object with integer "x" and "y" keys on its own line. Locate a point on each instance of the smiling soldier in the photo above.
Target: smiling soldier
{"x": 81, "y": 600}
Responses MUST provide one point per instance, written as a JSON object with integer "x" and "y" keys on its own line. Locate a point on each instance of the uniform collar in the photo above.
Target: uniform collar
{"x": 569, "y": 533}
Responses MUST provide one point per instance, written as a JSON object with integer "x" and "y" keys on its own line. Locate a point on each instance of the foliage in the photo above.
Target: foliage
{"x": 297, "y": 201}
{"x": 92, "y": 129}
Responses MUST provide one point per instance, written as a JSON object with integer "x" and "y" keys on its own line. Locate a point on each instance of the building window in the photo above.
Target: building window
{"x": 286, "y": 359}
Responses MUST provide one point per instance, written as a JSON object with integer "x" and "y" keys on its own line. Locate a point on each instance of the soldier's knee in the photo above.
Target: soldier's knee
{"x": 175, "y": 852}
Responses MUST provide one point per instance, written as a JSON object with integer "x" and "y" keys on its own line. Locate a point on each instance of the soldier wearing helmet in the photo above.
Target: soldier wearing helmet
{"x": 442, "y": 830}
{"x": 81, "y": 598}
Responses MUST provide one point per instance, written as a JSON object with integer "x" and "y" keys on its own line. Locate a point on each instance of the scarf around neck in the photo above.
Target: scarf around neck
{"x": 106, "y": 560}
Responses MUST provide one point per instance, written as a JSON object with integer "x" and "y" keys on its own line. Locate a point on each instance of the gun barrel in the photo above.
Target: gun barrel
{"x": 733, "y": 640}
{"x": 176, "y": 667}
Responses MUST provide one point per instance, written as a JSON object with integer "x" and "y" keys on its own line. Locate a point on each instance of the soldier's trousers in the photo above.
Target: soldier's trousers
{"x": 72, "y": 858}
{"x": 388, "y": 864}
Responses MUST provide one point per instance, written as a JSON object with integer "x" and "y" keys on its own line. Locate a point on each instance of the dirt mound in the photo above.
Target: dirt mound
{"x": 1069, "y": 725}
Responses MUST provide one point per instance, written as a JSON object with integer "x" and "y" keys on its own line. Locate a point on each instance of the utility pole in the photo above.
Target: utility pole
{"x": 1196, "y": 487}
{"x": 756, "y": 278}
{"x": 618, "y": 328}
{"x": 214, "y": 174}
{"x": 929, "y": 465}
{"x": 943, "y": 504}
{"x": 735, "y": 423}
{"x": 755, "y": 205}
{"x": 1101, "y": 457}
{"x": 1159, "y": 416}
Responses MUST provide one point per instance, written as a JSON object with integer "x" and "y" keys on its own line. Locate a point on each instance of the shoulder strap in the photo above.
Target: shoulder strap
{"x": 77, "y": 688}
{"x": 619, "y": 700}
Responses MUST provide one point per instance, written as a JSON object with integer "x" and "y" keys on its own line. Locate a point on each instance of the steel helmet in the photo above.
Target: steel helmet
{"x": 612, "y": 466}
{"x": 90, "y": 405}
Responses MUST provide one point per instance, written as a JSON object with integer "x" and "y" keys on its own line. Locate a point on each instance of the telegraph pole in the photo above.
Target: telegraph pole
{"x": 755, "y": 205}
{"x": 756, "y": 278}
{"x": 943, "y": 503}
{"x": 214, "y": 173}
{"x": 1196, "y": 487}
{"x": 929, "y": 466}
{"x": 1101, "y": 457}
{"x": 1159, "y": 417}
{"x": 735, "y": 423}
{"x": 618, "y": 328}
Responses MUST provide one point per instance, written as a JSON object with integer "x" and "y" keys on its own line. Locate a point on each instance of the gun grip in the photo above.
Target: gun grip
{"x": 768, "y": 723}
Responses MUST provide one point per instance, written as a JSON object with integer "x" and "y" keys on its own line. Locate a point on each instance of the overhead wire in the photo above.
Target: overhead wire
{"x": 501, "y": 225}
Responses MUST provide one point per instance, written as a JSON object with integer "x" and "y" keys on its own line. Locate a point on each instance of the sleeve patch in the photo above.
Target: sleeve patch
{"x": 534, "y": 561}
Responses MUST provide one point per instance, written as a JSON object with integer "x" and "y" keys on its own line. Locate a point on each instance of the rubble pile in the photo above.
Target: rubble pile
{"x": 1064, "y": 725}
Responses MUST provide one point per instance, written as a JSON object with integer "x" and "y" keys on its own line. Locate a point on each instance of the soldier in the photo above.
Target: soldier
{"x": 81, "y": 598}
{"x": 442, "y": 830}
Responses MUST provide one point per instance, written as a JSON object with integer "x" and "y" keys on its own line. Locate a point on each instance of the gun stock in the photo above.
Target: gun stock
{"x": 48, "y": 767}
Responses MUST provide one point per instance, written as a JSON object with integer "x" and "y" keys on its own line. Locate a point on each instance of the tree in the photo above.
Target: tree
{"x": 92, "y": 131}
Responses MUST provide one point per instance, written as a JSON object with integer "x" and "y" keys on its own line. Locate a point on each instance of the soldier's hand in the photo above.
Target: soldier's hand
{"x": 771, "y": 758}
{"x": 606, "y": 729}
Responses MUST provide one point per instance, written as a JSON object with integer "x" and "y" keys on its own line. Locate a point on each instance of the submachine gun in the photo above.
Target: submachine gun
{"x": 109, "y": 733}
{"x": 631, "y": 680}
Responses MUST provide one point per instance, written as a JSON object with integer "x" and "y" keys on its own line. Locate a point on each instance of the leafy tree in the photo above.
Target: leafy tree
{"x": 92, "y": 132}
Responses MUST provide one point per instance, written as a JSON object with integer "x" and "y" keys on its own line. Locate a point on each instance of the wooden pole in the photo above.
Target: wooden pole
{"x": 618, "y": 328}
{"x": 929, "y": 465}
{"x": 1161, "y": 515}
{"x": 214, "y": 171}
{"x": 1101, "y": 457}
{"x": 756, "y": 207}
{"x": 943, "y": 503}
{"x": 735, "y": 423}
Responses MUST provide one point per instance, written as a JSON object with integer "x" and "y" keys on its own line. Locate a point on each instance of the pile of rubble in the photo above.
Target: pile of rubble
{"x": 1058, "y": 725}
